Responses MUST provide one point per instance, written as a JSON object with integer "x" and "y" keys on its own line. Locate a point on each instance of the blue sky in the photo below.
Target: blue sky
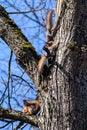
{"x": 19, "y": 89}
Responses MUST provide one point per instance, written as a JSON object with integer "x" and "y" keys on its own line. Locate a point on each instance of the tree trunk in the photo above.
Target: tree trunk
{"x": 64, "y": 102}
{"x": 63, "y": 93}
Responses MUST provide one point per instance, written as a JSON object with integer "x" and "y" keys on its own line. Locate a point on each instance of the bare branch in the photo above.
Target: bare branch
{"x": 18, "y": 116}
{"x": 25, "y": 53}
{"x": 9, "y": 77}
{"x": 23, "y": 12}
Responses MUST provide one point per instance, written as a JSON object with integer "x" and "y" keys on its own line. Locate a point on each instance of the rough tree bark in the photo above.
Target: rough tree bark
{"x": 17, "y": 115}
{"x": 26, "y": 56}
{"x": 64, "y": 105}
{"x": 63, "y": 96}
{"x": 25, "y": 53}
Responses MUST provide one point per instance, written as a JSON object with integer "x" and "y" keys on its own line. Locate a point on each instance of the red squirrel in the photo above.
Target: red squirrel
{"x": 50, "y": 51}
{"x": 49, "y": 25}
{"x": 50, "y": 46}
{"x": 42, "y": 62}
{"x": 31, "y": 107}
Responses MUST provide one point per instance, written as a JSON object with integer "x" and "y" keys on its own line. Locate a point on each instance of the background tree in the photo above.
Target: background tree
{"x": 63, "y": 93}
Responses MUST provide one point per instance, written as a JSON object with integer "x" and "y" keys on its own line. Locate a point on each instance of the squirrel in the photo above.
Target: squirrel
{"x": 42, "y": 62}
{"x": 50, "y": 52}
{"x": 49, "y": 26}
{"x": 50, "y": 29}
{"x": 50, "y": 46}
{"x": 31, "y": 107}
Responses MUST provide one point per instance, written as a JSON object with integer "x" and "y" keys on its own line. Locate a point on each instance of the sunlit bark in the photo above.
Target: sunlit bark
{"x": 64, "y": 92}
{"x": 64, "y": 106}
